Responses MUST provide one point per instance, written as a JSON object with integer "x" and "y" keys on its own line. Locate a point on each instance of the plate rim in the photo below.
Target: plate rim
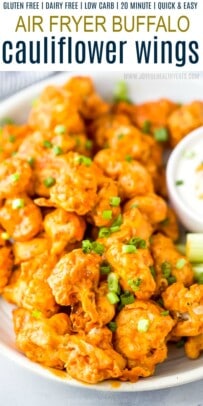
{"x": 150, "y": 384}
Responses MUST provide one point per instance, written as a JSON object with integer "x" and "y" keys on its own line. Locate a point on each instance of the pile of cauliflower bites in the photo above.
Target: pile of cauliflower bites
{"x": 87, "y": 250}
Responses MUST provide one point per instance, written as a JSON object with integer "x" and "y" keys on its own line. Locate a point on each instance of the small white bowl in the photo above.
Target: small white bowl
{"x": 186, "y": 213}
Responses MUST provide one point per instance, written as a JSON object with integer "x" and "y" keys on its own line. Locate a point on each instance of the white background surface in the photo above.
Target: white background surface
{"x": 19, "y": 387}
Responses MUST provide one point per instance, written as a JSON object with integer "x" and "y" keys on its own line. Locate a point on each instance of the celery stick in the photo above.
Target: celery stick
{"x": 198, "y": 273}
{"x": 194, "y": 247}
{"x": 181, "y": 248}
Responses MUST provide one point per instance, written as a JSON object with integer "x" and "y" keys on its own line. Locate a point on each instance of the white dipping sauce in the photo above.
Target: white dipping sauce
{"x": 189, "y": 176}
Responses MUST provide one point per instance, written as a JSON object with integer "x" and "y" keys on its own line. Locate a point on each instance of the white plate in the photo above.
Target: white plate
{"x": 177, "y": 369}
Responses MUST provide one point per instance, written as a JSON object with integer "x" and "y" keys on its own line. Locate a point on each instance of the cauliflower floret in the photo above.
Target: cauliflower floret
{"x": 63, "y": 228}
{"x": 107, "y": 202}
{"x": 131, "y": 224}
{"x": 91, "y": 358}
{"x": 132, "y": 177}
{"x": 186, "y": 305}
{"x": 24, "y": 251}
{"x": 99, "y": 128}
{"x": 6, "y": 264}
{"x": 170, "y": 265}
{"x": 75, "y": 278}
{"x": 154, "y": 112}
{"x": 28, "y": 286}
{"x": 90, "y": 103}
{"x": 40, "y": 339}
{"x": 133, "y": 269}
{"x": 185, "y": 119}
{"x": 141, "y": 335}
{"x": 194, "y": 346}
{"x": 134, "y": 180}
{"x": 169, "y": 226}
{"x": 15, "y": 177}
{"x": 11, "y": 137}
{"x": 105, "y": 310}
{"x": 76, "y": 186}
{"x": 110, "y": 162}
{"x": 55, "y": 107}
{"x": 151, "y": 205}
{"x": 21, "y": 218}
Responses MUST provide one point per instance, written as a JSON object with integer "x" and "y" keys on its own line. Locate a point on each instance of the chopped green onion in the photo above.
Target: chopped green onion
{"x": 160, "y": 302}
{"x": 112, "y": 297}
{"x": 180, "y": 343}
{"x": 6, "y": 120}
{"x": 152, "y": 270}
{"x": 114, "y": 229}
{"x": 104, "y": 232}
{"x": 60, "y": 129}
{"x": 146, "y": 126}
{"x": 112, "y": 326}
{"x": 105, "y": 268}
{"x": 179, "y": 182}
{"x": 134, "y": 206}
{"x": 181, "y": 263}
{"x": 142, "y": 244}
{"x": 84, "y": 160}
{"x": 31, "y": 161}
{"x": 164, "y": 222}
{"x": 138, "y": 242}
{"x": 128, "y": 158}
{"x": 57, "y": 150}
{"x": 120, "y": 136}
{"x": 49, "y": 182}
{"x": 194, "y": 247}
{"x": 88, "y": 144}
{"x": 47, "y": 144}
{"x": 35, "y": 102}
{"x": 78, "y": 142}
{"x": 115, "y": 201}
{"x": 15, "y": 177}
{"x": 12, "y": 138}
{"x": 143, "y": 325}
{"x": 135, "y": 283}
{"x": 5, "y": 236}
{"x": 161, "y": 134}
{"x": 200, "y": 281}
{"x": 171, "y": 279}
{"x": 36, "y": 314}
{"x": 198, "y": 273}
{"x": 127, "y": 298}
{"x": 113, "y": 283}
{"x": 121, "y": 92}
{"x": 86, "y": 246}
{"x": 166, "y": 269}
{"x": 107, "y": 214}
{"x": 165, "y": 313}
{"x": 18, "y": 204}
{"x": 118, "y": 221}
{"x": 181, "y": 248}
{"x": 128, "y": 249}
{"x": 98, "y": 248}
